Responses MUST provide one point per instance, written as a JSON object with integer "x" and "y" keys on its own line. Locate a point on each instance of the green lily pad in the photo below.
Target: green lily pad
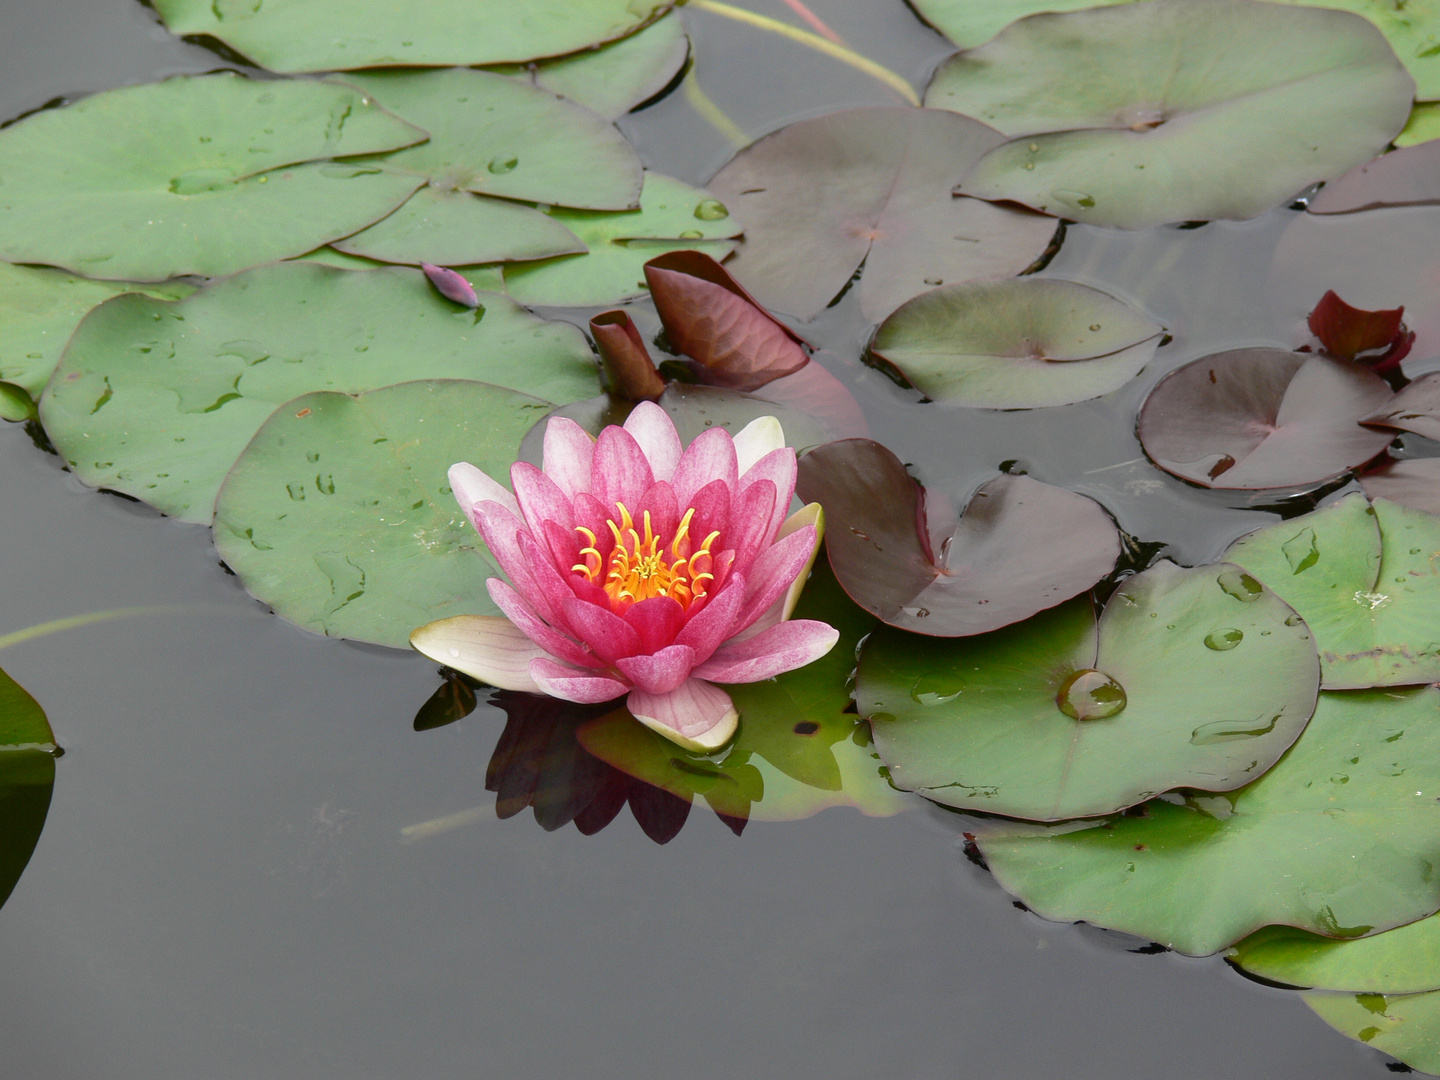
{"x": 874, "y": 187}
{"x": 1338, "y": 839}
{"x": 39, "y": 310}
{"x": 339, "y": 516}
{"x": 1405, "y": 960}
{"x": 1406, "y": 1027}
{"x": 1423, "y": 125}
{"x": 672, "y": 217}
{"x": 27, "y": 776}
{"x": 1175, "y": 110}
{"x": 798, "y": 751}
{"x": 1410, "y": 26}
{"x": 1021, "y": 344}
{"x": 204, "y": 174}
{"x": 15, "y": 404}
{"x": 1366, "y": 578}
{"x": 333, "y": 35}
{"x": 157, "y": 400}
{"x": 1189, "y": 681}
{"x": 1414, "y": 482}
{"x": 614, "y": 79}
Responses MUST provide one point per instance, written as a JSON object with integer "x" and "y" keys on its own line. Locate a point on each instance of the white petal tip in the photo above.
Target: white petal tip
{"x": 486, "y": 647}
{"x": 756, "y": 439}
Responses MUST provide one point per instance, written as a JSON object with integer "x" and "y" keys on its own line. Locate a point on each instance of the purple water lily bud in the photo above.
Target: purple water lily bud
{"x": 451, "y": 285}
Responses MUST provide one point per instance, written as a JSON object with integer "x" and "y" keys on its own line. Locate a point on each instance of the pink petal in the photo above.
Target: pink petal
{"x": 780, "y": 468}
{"x": 715, "y": 622}
{"x": 710, "y": 457}
{"x": 661, "y": 672}
{"x": 655, "y": 433}
{"x": 569, "y": 451}
{"x": 566, "y": 683}
{"x": 657, "y": 621}
{"x": 610, "y": 636}
{"x": 621, "y": 473}
{"x": 774, "y": 572}
{"x": 532, "y": 626}
{"x": 451, "y": 285}
{"x": 501, "y": 530}
{"x": 749, "y": 520}
{"x": 780, "y": 649}
{"x": 784, "y": 606}
{"x": 589, "y": 513}
{"x": 472, "y": 487}
{"x": 664, "y": 513}
{"x": 696, "y": 715}
{"x": 564, "y": 548}
{"x": 757, "y": 439}
{"x": 487, "y": 647}
{"x": 548, "y": 591}
{"x": 540, "y": 498}
{"x": 712, "y": 513}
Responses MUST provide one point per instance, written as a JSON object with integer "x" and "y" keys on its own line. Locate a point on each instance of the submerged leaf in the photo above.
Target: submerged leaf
{"x": 157, "y": 400}
{"x": 1333, "y": 840}
{"x": 1184, "y": 684}
{"x": 1262, "y": 418}
{"x": 27, "y": 776}
{"x": 338, "y": 515}
{"x": 1020, "y": 344}
{"x": 1405, "y": 1026}
{"x": 1367, "y": 581}
{"x": 329, "y": 35}
{"x": 870, "y": 186}
{"x": 1020, "y": 547}
{"x": 1175, "y": 110}
{"x": 1414, "y": 482}
{"x": 199, "y": 174}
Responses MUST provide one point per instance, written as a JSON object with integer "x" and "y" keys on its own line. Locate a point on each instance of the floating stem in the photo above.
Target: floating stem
{"x": 75, "y": 622}
{"x": 712, "y": 113}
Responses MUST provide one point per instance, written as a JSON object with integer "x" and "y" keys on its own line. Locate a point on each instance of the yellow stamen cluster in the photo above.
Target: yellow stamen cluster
{"x": 639, "y": 569}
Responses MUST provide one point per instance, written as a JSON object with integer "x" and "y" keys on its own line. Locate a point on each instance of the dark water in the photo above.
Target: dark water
{"x": 224, "y": 887}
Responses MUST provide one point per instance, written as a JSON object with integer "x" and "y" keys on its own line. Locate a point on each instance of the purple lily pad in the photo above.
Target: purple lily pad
{"x": 1262, "y": 418}
{"x": 1414, "y": 483}
{"x": 1415, "y": 408}
{"x": 871, "y": 186}
{"x": 629, "y": 371}
{"x": 1020, "y": 546}
{"x": 1408, "y": 177}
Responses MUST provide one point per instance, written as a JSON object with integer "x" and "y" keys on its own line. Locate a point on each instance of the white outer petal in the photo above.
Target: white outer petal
{"x": 471, "y": 487}
{"x": 756, "y": 439}
{"x": 487, "y": 647}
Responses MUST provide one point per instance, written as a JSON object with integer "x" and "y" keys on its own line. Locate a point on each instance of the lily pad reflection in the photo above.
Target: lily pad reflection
{"x": 27, "y": 777}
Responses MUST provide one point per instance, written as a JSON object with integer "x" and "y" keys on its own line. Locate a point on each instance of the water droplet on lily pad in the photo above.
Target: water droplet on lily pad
{"x": 1220, "y": 731}
{"x": 691, "y": 234}
{"x": 931, "y": 689}
{"x": 1224, "y": 640}
{"x": 199, "y": 181}
{"x": 1301, "y": 551}
{"x": 501, "y": 164}
{"x": 1090, "y": 695}
{"x": 711, "y": 210}
{"x": 1240, "y": 585}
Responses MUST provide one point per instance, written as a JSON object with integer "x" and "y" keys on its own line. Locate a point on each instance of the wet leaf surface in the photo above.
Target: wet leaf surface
{"x": 202, "y": 174}
{"x": 1367, "y": 581}
{"x": 328, "y": 35}
{"x": 1189, "y": 681}
{"x": 1019, "y": 344}
{"x": 157, "y": 400}
{"x": 39, "y": 310}
{"x": 27, "y": 776}
{"x": 1263, "y": 418}
{"x": 1415, "y": 408}
{"x": 798, "y": 752}
{"x": 1020, "y": 547}
{"x": 1333, "y": 839}
{"x": 1414, "y": 483}
{"x": 1136, "y": 115}
{"x": 672, "y": 217}
{"x": 871, "y": 186}
{"x": 1406, "y": 1027}
{"x": 1405, "y": 960}
{"x": 339, "y": 515}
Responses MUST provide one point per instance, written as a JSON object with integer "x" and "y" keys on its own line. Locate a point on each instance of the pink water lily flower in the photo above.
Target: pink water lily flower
{"x": 640, "y": 567}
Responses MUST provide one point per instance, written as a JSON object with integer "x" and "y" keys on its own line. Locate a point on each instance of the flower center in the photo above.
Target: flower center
{"x": 640, "y": 568}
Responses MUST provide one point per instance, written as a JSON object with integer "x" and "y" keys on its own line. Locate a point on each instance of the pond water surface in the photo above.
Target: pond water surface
{"x": 229, "y": 883}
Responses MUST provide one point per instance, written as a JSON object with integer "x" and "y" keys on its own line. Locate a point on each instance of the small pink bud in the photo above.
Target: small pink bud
{"x": 451, "y": 285}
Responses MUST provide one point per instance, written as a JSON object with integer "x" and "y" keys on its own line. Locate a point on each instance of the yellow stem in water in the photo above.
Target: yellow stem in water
{"x": 712, "y": 113}
{"x": 74, "y": 622}
{"x": 814, "y": 41}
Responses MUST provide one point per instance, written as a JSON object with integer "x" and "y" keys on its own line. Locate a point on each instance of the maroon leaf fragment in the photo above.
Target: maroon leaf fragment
{"x": 1262, "y": 418}
{"x": 451, "y": 285}
{"x": 711, "y": 319}
{"x": 1347, "y": 331}
{"x": 629, "y": 372}
{"x": 1415, "y": 408}
{"x": 1406, "y": 177}
{"x": 1019, "y": 547}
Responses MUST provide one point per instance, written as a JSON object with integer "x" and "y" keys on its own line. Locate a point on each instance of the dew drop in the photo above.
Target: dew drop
{"x": 1293, "y": 620}
{"x": 932, "y": 689}
{"x": 711, "y": 210}
{"x": 1090, "y": 695}
{"x": 691, "y": 234}
{"x": 1222, "y": 731}
{"x": 1301, "y": 551}
{"x": 1240, "y": 585}
{"x": 1094, "y": 326}
{"x": 1224, "y": 640}
{"x": 501, "y": 164}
